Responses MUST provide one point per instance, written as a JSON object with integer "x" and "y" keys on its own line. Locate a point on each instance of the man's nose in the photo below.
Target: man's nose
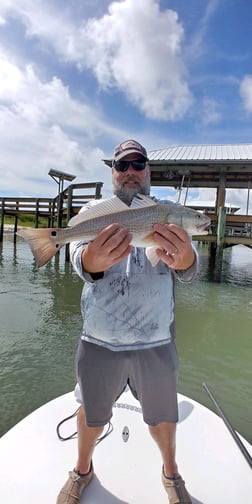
{"x": 130, "y": 168}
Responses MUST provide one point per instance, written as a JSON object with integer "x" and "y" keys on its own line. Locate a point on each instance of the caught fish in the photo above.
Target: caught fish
{"x": 139, "y": 218}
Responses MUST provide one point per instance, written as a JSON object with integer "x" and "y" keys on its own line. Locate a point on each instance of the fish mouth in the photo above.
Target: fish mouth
{"x": 203, "y": 228}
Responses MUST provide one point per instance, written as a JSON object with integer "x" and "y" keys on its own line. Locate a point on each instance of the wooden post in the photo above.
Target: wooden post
{"x": 216, "y": 249}
{"x": 69, "y": 202}
{"x": 98, "y": 187}
{"x": 15, "y": 228}
{"x": 248, "y": 195}
{"x": 69, "y": 215}
{"x": 59, "y": 210}
{"x": 37, "y": 213}
{"x": 54, "y": 206}
{"x": 2, "y": 220}
{"x": 49, "y": 218}
{"x": 220, "y": 242}
{"x": 220, "y": 231}
{"x": 16, "y": 222}
{"x": 221, "y": 212}
{"x": 221, "y": 191}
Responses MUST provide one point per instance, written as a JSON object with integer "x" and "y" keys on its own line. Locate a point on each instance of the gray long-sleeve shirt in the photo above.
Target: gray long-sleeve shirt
{"x": 132, "y": 306}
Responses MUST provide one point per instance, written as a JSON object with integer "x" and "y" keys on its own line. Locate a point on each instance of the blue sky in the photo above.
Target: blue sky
{"x": 78, "y": 77}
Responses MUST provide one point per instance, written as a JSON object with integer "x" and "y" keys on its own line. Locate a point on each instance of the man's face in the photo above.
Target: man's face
{"x": 127, "y": 184}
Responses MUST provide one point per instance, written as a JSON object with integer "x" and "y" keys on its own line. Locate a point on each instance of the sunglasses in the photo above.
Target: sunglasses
{"x": 123, "y": 166}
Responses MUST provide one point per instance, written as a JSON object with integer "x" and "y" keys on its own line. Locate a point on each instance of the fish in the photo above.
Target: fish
{"x": 139, "y": 218}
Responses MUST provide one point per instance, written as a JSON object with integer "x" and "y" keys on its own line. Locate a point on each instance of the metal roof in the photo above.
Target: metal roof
{"x": 200, "y": 153}
{"x": 203, "y": 165}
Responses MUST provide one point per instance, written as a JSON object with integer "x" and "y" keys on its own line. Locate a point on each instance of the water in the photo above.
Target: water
{"x": 40, "y": 326}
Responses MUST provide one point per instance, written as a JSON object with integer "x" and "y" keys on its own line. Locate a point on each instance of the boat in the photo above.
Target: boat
{"x": 34, "y": 462}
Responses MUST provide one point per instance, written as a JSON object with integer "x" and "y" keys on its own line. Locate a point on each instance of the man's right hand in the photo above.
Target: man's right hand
{"x": 111, "y": 246}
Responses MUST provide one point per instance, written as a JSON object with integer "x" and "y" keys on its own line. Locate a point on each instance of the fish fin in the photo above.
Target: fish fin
{"x": 141, "y": 201}
{"x": 41, "y": 243}
{"x": 101, "y": 209}
{"x": 151, "y": 254}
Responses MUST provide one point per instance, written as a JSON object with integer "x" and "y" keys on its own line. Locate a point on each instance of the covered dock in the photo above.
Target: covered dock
{"x": 210, "y": 166}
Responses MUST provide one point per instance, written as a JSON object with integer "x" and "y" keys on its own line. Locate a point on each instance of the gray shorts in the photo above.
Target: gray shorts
{"x": 151, "y": 374}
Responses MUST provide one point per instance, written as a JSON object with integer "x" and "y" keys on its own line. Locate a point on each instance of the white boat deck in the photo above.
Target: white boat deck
{"x": 34, "y": 463}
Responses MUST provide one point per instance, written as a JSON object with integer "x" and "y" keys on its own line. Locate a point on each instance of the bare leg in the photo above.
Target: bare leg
{"x": 165, "y": 436}
{"x": 87, "y": 437}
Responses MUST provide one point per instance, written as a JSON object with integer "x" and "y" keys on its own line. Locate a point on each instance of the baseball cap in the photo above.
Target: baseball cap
{"x": 129, "y": 147}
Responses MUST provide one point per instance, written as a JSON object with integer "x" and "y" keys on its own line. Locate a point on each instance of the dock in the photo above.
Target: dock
{"x": 54, "y": 212}
{"x": 222, "y": 167}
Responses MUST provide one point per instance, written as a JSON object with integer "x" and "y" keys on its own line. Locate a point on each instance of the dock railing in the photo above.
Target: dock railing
{"x": 54, "y": 210}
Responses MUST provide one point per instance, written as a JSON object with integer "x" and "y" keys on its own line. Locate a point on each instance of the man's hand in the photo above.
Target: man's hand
{"x": 111, "y": 246}
{"x": 175, "y": 246}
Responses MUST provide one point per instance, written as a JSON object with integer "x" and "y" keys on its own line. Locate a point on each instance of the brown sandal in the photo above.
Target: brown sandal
{"x": 176, "y": 490}
{"x": 74, "y": 486}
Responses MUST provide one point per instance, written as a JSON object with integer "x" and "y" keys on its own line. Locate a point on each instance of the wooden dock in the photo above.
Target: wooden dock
{"x": 220, "y": 167}
{"x": 53, "y": 211}
{"x": 225, "y": 231}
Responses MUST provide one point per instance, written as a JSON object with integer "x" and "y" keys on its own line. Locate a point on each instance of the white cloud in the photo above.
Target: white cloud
{"x": 236, "y": 197}
{"x": 246, "y": 92}
{"x": 210, "y": 112}
{"x": 134, "y": 48}
{"x": 197, "y": 46}
{"x": 43, "y": 127}
{"x": 10, "y": 79}
{"x": 240, "y": 198}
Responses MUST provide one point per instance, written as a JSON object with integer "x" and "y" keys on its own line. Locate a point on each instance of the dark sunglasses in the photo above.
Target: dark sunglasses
{"x": 123, "y": 166}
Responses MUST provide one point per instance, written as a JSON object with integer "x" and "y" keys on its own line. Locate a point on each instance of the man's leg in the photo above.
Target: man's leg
{"x": 165, "y": 436}
{"x": 87, "y": 437}
{"x": 82, "y": 474}
{"x": 92, "y": 362}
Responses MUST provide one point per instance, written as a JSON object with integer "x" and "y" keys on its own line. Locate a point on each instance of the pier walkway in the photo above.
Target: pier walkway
{"x": 54, "y": 211}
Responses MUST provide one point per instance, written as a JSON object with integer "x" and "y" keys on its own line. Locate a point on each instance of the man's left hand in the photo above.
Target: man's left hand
{"x": 175, "y": 246}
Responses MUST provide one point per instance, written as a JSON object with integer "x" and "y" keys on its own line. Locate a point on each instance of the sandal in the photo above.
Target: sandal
{"x": 74, "y": 486}
{"x": 176, "y": 490}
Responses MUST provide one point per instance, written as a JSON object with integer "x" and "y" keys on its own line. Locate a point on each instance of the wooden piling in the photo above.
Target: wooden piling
{"x": 2, "y": 220}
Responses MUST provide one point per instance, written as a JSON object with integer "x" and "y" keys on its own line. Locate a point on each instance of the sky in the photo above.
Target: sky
{"x": 79, "y": 77}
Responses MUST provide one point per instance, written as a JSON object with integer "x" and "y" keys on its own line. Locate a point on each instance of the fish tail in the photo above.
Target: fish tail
{"x": 42, "y": 243}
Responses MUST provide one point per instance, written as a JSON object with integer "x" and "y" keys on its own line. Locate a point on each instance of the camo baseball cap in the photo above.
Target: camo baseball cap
{"x": 129, "y": 147}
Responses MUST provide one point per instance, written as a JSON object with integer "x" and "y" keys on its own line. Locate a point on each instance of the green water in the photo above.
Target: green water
{"x": 40, "y": 324}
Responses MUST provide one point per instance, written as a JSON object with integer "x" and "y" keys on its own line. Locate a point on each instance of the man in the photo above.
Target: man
{"x": 128, "y": 305}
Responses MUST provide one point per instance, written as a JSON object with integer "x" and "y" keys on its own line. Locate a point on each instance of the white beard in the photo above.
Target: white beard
{"x": 127, "y": 194}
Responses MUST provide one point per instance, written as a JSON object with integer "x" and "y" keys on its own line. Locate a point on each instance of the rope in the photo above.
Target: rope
{"x": 62, "y": 438}
{"x": 61, "y": 423}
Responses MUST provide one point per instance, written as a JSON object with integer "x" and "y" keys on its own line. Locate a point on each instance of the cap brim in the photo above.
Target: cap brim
{"x": 130, "y": 151}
